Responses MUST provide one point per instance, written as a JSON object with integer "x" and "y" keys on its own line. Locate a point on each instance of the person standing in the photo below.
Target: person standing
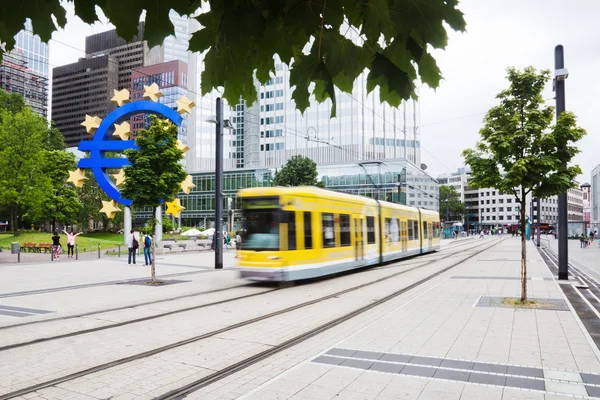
{"x": 238, "y": 244}
{"x": 71, "y": 242}
{"x": 55, "y": 247}
{"x": 147, "y": 240}
{"x": 132, "y": 246}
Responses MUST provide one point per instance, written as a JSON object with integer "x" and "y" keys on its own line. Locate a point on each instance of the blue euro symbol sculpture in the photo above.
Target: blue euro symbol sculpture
{"x": 102, "y": 143}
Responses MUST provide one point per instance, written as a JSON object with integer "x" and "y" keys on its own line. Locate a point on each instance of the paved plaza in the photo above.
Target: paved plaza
{"x": 448, "y": 337}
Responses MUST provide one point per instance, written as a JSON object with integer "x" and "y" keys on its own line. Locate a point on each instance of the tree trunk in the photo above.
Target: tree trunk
{"x": 13, "y": 217}
{"x": 523, "y": 250}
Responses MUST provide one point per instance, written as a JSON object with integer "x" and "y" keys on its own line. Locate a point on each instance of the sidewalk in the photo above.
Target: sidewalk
{"x": 588, "y": 257}
{"x": 452, "y": 341}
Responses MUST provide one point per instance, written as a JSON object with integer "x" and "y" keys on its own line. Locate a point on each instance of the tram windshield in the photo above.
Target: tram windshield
{"x": 262, "y": 224}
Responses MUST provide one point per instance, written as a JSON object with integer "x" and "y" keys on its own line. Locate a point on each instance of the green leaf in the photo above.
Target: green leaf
{"x": 300, "y": 74}
{"x": 86, "y": 10}
{"x": 429, "y": 71}
{"x": 394, "y": 84}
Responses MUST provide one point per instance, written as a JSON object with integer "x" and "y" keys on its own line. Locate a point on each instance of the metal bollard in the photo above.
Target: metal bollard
{"x": 51, "y": 254}
{"x": 77, "y": 252}
{"x": 119, "y": 247}
{"x": 19, "y": 256}
{"x": 98, "y": 249}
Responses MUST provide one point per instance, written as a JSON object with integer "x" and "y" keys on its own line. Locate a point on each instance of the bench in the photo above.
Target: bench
{"x": 182, "y": 245}
{"x": 194, "y": 238}
{"x": 168, "y": 246}
{"x": 170, "y": 240}
{"x": 29, "y": 246}
{"x": 202, "y": 244}
{"x": 45, "y": 246}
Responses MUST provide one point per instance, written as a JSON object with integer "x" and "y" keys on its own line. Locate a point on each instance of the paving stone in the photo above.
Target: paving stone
{"x": 396, "y": 358}
{"x": 525, "y": 383}
{"x": 525, "y": 371}
{"x": 487, "y": 379}
{"x": 452, "y": 375}
{"x": 329, "y": 360}
{"x": 371, "y": 355}
{"x": 485, "y": 367}
{"x": 418, "y": 371}
{"x": 426, "y": 360}
{"x": 593, "y": 391}
{"x": 457, "y": 364}
{"x": 361, "y": 364}
{"x": 341, "y": 352}
{"x": 386, "y": 367}
{"x": 590, "y": 378}
{"x": 563, "y": 387}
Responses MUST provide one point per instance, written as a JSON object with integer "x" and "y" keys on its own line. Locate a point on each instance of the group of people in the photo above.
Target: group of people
{"x": 133, "y": 245}
{"x": 586, "y": 240}
{"x": 57, "y": 247}
{"x": 227, "y": 241}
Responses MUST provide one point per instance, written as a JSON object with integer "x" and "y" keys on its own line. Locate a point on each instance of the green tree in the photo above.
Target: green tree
{"x": 53, "y": 139}
{"x": 22, "y": 181}
{"x": 12, "y": 102}
{"x": 297, "y": 171}
{"x": 61, "y": 203}
{"x": 521, "y": 151}
{"x": 241, "y": 39}
{"x": 155, "y": 172}
{"x": 456, "y": 208}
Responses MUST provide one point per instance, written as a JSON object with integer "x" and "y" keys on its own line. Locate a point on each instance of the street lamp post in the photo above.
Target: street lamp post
{"x": 219, "y": 125}
{"x": 447, "y": 218}
{"x": 560, "y": 74}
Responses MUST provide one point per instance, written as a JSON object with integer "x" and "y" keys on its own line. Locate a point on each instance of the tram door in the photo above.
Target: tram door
{"x": 430, "y": 233}
{"x": 404, "y": 235}
{"x": 359, "y": 245}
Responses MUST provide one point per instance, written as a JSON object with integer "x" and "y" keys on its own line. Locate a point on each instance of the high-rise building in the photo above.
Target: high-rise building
{"x": 575, "y": 204}
{"x": 86, "y": 87}
{"x": 172, "y": 79}
{"x": 271, "y": 131}
{"x": 25, "y": 70}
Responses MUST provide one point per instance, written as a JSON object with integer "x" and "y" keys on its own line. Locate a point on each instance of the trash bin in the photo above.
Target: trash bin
{"x": 15, "y": 248}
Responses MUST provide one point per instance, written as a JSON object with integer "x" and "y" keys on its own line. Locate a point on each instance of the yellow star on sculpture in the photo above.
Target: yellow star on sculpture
{"x": 77, "y": 177}
{"x": 91, "y": 123}
{"x": 187, "y": 184}
{"x": 110, "y": 208}
{"x": 120, "y": 177}
{"x": 121, "y": 97}
{"x": 123, "y": 131}
{"x": 152, "y": 92}
{"x": 174, "y": 208}
{"x": 182, "y": 146}
{"x": 184, "y": 105}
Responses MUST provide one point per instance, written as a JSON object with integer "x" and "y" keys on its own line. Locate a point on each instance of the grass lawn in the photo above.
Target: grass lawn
{"x": 106, "y": 240}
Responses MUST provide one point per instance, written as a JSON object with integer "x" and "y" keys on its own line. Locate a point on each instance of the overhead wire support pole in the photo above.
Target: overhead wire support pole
{"x": 560, "y": 74}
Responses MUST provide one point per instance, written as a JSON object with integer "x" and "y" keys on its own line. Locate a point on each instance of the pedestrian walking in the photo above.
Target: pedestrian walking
{"x": 238, "y": 244}
{"x": 213, "y": 245}
{"x": 226, "y": 239}
{"x": 71, "y": 242}
{"x": 132, "y": 246}
{"x": 55, "y": 247}
{"x": 147, "y": 241}
{"x": 581, "y": 241}
{"x": 481, "y": 234}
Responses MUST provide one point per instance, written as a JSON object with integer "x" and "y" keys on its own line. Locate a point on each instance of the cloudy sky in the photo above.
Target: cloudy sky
{"x": 499, "y": 34}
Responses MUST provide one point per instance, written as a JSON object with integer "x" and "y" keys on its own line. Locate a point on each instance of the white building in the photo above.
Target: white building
{"x": 575, "y": 204}
{"x": 595, "y": 192}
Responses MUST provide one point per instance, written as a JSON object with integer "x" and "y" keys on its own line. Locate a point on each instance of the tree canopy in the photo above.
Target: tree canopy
{"x": 155, "y": 173}
{"x": 520, "y": 151}
{"x": 456, "y": 208}
{"x": 297, "y": 171}
{"x": 241, "y": 38}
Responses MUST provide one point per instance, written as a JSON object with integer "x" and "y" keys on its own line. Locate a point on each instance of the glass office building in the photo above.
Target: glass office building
{"x": 397, "y": 181}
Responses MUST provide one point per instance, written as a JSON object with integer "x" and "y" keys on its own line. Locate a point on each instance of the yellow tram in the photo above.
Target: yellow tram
{"x": 294, "y": 233}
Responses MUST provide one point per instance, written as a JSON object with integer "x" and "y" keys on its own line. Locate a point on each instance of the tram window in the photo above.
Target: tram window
{"x": 307, "y": 230}
{"x": 386, "y": 231}
{"x": 416, "y": 229}
{"x": 345, "y": 230}
{"x": 410, "y": 230}
{"x": 370, "y": 230}
{"x": 328, "y": 232}
{"x": 424, "y": 229}
{"x": 291, "y": 221}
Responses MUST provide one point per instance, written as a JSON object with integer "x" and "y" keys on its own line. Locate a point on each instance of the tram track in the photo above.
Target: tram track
{"x": 393, "y": 264}
{"x": 253, "y": 359}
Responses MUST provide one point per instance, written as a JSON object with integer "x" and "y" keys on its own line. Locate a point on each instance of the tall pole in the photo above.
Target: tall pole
{"x": 539, "y": 221}
{"x": 563, "y": 249}
{"x": 219, "y": 187}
